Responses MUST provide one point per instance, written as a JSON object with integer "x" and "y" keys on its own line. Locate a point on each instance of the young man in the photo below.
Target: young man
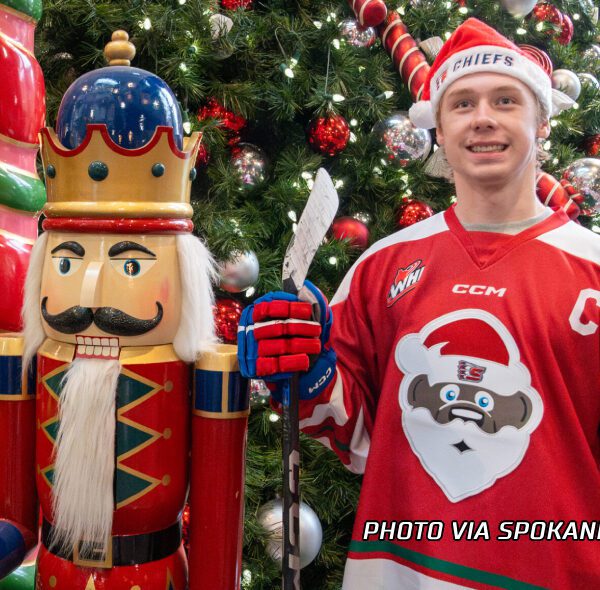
{"x": 466, "y": 387}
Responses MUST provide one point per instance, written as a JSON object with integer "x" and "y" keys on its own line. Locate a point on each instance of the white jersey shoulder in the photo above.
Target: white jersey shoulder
{"x": 574, "y": 239}
{"x": 423, "y": 229}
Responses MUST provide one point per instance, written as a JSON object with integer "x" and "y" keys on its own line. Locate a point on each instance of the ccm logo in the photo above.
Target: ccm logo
{"x": 321, "y": 380}
{"x": 478, "y": 290}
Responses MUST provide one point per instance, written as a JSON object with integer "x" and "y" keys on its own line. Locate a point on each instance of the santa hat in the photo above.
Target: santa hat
{"x": 475, "y": 47}
{"x": 470, "y": 347}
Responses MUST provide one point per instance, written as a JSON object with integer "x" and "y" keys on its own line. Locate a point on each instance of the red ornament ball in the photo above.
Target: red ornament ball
{"x": 591, "y": 145}
{"x": 411, "y": 212}
{"x": 348, "y": 228}
{"x": 228, "y": 119}
{"x": 202, "y": 158}
{"x": 227, "y": 314}
{"x": 236, "y": 4}
{"x": 546, "y": 12}
{"x": 328, "y": 135}
{"x": 566, "y": 33}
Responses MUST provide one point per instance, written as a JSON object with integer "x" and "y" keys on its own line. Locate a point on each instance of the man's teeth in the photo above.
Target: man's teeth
{"x": 487, "y": 148}
{"x": 98, "y": 347}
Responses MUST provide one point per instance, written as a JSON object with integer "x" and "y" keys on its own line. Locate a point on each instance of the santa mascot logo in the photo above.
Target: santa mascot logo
{"x": 468, "y": 407}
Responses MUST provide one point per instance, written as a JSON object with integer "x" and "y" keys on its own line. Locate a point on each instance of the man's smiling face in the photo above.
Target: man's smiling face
{"x": 488, "y": 124}
{"x": 111, "y": 285}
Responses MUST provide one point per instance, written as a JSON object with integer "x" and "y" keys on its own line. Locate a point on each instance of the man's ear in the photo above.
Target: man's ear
{"x": 543, "y": 130}
{"x": 439, "y": 134}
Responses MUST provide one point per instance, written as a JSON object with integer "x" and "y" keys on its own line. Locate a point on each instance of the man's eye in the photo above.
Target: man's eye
{"x": 506, "y": 100}
{"x": 66, "y": 265}
{"x": 132, "y": 267}
{"x": 462, "y": 104}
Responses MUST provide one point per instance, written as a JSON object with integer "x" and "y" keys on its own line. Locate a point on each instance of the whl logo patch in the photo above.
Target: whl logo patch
{"x": 470, "y": 371}
{"x": 405, "y": 281}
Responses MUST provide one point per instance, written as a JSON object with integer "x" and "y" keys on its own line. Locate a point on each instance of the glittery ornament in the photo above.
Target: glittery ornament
{"x": 236, "y": 4}
{"x": 328, "y": 135}
{"x": 518, "y": 8}
{"x": 591, "y": 145}
{"x": 566, "y": 33}
{"x": 548, "y": 13}
{"x": 269, "y": 516}
{"x": 592, "y": 54}
{"x": 354, "y": 230}
{"x": 566, "y": 81}
{"x": 584, "y": 175}
{"x": 239, "y": 272}
{"x": 202, "y": 158}
{"x": 400, "y": 141}
{"x": 411, "y": 212}
{"x": 250, "y": 164}
{"x": 227, "y": 314}
{"x": 227, "y": 119}
{"x": 356, "y": 35}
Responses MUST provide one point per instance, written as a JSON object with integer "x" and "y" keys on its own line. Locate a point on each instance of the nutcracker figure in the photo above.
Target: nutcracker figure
{"x": 118, "y": 306}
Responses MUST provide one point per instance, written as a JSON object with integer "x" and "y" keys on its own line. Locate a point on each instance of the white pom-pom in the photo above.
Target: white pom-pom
{"x": 421, "y": 115}
{"x": 560, "y": 102}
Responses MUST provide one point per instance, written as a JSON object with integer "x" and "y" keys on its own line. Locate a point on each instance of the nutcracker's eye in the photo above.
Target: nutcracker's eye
{"x": 132, "y": 267}
{"x": 449, "y": 393}
{"x": 484, "y": 400}
{"x": 66, "y": 265}
{"x": 131, "y": 259}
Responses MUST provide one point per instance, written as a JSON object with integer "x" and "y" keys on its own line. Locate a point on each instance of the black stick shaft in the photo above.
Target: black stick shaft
{"x": 291, "y": 487}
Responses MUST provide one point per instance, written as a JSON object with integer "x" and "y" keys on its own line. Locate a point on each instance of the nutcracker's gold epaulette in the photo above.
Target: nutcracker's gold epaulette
{"x": 220, "y": 392}
{"x": 12, "y": 385}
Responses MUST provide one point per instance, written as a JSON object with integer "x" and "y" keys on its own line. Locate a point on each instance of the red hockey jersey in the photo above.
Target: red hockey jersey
{"x": 467, "y": 392}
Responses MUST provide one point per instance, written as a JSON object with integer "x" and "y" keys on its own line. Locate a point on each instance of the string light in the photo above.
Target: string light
{"x": 318, "y": 24}
{"x": 292, "y": 215}
{"x": 187, "y": 127}
{"x": 183, "y": 67}
{"x": 539, "y": 26}
{"x": 352, "y": 138}
{"x": 338, "y": 98}
{"x": 336, "y": 43}
{"x": 521, "y": 31}
{"x": 306, "y": 175}
{"x": 576, "y": 16}
{"x": 145, "y": 24}
{"x": 553, "y": 123}
{"x": 273, "y": 417}
{"x": 353, "y": 122}
{"x": 332, "y": 260}
{"x": 338, "y": 183}
{"x": 250, "y": 291}
{"x": 463, "y": 10}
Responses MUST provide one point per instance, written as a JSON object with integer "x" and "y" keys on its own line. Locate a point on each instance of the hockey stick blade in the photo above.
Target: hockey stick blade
{"x": 318, "y": 214}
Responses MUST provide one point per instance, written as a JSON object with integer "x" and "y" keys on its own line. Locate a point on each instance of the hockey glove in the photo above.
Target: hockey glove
{"x": 281, "y": 333}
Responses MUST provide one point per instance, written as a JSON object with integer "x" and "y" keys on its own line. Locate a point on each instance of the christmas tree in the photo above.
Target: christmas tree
{"x": 280, "y": 88}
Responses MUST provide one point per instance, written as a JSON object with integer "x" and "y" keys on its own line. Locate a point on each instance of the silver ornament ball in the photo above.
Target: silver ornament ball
{"x": 592, "y": 54}
{"x": 566, "y": 81}
{"x": 400, "y": 141}
{"x": 311, "y": 532}
{"x": 259, "y": 393}
{"x": 250, "y": 164}
{"x": 588, "y": 79}
{"x": 239, "y": 272}
{"x": 584, "y": 175}
{"x": 518, "y": 8}
{"x": 356, "y": 35}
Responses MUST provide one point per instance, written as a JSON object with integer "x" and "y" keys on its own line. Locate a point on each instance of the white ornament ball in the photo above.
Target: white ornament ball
{"x": 400, "y": 141}
{"x": 311, "y": 533}
{"x": 518, "y": 8}
{"x": 239, "y": 272}
{"x": 566, "y": 81}
{"x": 584, "y": 175}
{"x": 592, "y": 53}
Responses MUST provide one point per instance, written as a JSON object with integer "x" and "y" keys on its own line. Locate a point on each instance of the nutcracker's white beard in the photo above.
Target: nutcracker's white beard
{"x": 83, "y": 500}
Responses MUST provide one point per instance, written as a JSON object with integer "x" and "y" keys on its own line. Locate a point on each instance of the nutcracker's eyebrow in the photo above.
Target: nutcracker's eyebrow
{"x": 121, "y": 247}
{"x": 74, "y": 247}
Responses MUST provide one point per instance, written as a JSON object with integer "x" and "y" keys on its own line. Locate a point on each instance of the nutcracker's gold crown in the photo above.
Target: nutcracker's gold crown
{"x": 100, "y": 179}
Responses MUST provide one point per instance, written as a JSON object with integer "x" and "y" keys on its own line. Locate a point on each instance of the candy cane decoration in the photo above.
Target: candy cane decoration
{"x": 408, "y": 59}
{"x": 555, "y": 194}
{"x": 369, "y": 13}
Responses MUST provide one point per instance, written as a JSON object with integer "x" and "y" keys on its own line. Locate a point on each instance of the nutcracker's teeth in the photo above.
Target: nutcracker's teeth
{"x": 95, "y": 347}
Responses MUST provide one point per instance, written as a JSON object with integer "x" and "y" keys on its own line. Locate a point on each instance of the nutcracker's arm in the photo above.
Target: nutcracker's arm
{"x": 18, "y": 521}
{"x": 219, "y": 428}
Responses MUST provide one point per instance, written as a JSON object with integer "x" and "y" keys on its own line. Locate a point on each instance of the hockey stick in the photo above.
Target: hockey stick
{"x": 319, "y": 211}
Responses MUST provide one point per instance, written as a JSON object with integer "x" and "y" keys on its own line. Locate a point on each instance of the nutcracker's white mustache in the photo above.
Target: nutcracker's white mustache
{"x": 83, "y": 500}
